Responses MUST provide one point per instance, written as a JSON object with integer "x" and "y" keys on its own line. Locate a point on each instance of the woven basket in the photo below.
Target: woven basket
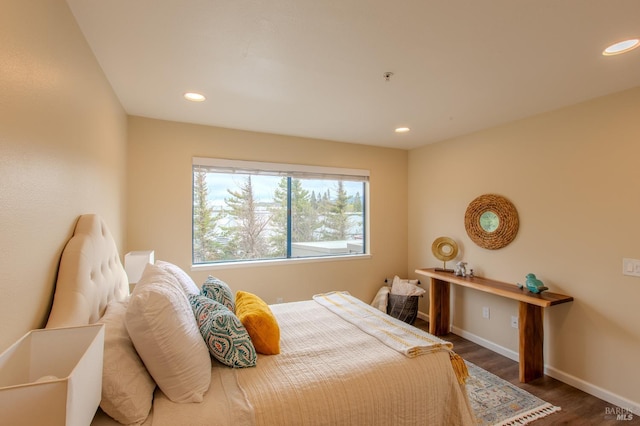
{"x": 405, "y": 308}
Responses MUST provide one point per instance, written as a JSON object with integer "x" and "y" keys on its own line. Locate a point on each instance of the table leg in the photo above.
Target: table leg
{"x": 531, "y": 341}
{"x": 438, "y": 307}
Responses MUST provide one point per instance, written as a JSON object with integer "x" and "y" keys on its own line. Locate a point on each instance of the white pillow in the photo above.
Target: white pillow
{"x": 164, "y": 331}
{"x": 382, "y": 298}
{"x": 406, "y": 287}
{"x": 127, "y": 387}
{"x": 185, "y": 281}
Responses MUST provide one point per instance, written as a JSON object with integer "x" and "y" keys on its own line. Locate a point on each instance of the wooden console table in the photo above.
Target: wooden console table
{"x": 530, "y": 323}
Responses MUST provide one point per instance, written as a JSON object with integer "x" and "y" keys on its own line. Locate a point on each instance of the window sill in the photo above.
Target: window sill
{"x": 276, "y": 262}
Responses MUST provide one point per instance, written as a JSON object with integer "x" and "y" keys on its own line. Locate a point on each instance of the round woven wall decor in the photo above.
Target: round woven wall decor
{"x": 504, "y": 231}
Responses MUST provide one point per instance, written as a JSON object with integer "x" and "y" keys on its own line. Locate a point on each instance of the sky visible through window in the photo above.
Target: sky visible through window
{"x": 263, "y": 186}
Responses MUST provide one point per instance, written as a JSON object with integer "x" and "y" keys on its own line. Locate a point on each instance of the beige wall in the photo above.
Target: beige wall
{"x": 159, "y": 205}
{"x": 62, "y": 153}
{"x": 573, "y": 176}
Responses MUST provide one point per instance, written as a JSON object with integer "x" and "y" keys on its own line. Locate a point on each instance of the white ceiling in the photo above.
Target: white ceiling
{"x": 315, "y": 68}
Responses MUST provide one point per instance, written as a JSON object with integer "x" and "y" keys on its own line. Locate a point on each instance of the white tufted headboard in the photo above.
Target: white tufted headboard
{"x": 89, "y": 276}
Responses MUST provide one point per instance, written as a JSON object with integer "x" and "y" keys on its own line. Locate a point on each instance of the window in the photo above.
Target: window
{"x": 246, "y": 211}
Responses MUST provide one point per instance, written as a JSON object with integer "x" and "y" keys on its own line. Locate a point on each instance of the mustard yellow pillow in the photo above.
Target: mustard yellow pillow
{"x": 261, "y": 324}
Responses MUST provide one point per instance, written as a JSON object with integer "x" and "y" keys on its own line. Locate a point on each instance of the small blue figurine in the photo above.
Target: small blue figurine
{"x": 533, "y": 284}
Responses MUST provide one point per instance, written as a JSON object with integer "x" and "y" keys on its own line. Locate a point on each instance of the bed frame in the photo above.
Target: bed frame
{"x": 90, "y": 275}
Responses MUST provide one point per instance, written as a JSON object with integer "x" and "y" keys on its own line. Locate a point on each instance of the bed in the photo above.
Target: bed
{"x": 329, "y": 370}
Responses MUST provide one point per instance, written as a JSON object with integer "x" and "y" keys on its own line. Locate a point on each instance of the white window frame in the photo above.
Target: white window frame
{"x": 293, "y": 170}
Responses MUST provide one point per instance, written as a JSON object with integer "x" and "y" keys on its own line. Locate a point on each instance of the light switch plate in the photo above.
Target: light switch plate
{"x": 631, "y": 267}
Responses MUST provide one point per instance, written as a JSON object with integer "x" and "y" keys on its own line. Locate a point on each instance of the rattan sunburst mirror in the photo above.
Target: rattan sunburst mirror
{"x": 491, "y": 221}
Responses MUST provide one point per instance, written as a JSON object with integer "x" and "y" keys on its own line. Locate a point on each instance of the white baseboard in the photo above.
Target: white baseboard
{"x": 598, "y": 392}
{"x": 423, "y": 316}
{"x": 626, "y": 404}
{"x": 513, "y": 355}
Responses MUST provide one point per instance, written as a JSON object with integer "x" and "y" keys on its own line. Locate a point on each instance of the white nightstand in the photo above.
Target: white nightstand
{"x": 53, "y": 377}
{"x": 134, "y": 264}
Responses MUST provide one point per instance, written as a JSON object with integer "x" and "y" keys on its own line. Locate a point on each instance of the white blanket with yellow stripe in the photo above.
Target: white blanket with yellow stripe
{"x": 394, "y": 333}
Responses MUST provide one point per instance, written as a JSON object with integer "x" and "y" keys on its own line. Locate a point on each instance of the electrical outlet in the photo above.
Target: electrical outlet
{"x": 485, "y": 312}
{"x": 514, "y": 321}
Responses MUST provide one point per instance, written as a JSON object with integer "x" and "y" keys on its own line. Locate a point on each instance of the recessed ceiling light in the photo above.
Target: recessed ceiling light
{"x": 402, "y": 130}
{"x": 621, "y": 47}
{"x": 194, "y": 97}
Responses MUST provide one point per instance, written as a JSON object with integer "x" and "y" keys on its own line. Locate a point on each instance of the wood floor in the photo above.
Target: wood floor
{"x": 578, "y": 407}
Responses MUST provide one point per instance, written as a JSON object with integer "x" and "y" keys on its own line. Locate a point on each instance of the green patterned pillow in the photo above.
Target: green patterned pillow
{"x": 224, "y": 334}
{"x": 219, "y": 291}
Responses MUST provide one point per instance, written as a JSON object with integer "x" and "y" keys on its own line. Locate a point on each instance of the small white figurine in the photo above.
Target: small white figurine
{"x": 461, "y": 269}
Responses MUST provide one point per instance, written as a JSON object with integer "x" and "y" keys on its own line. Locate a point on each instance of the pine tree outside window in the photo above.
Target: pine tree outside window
{"x": 248, "y": 211}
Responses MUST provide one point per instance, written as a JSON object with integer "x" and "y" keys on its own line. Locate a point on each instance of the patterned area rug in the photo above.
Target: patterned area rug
{"x": 498, "y": 402}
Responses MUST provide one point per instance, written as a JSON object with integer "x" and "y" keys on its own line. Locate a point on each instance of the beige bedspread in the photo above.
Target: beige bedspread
{"x": 328, "y": 373}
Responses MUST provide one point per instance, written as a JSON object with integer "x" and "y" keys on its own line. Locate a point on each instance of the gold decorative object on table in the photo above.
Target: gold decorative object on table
{"x": 491, "y": 221}
{"x": 445, "y": 249}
